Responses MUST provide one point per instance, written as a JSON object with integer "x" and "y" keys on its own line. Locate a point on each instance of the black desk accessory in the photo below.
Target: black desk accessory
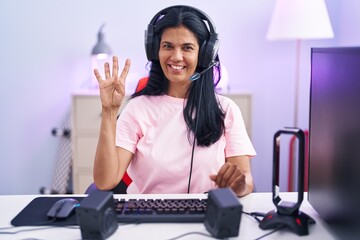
{"x": 223, "y": 215}
{"x": 63, "y": 209}
{"x": 96, "y": 215}
{"x": 35, "y": 213}
{"x": 287, "y": 214}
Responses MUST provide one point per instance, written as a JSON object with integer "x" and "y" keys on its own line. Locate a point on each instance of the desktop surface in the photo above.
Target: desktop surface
{"x": 11, "y": 205}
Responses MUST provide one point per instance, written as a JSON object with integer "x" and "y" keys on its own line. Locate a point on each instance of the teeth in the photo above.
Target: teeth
{"x": 177, "y": 67}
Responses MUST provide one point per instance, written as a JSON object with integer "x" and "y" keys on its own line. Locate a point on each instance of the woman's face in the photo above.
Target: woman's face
{"x": 178, "y": 55}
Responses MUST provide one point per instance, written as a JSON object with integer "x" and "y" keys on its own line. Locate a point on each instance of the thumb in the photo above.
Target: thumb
{"x": 213, "y": 177}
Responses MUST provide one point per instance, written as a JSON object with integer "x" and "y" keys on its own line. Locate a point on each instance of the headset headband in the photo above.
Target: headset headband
{"x": 200, "y": 13}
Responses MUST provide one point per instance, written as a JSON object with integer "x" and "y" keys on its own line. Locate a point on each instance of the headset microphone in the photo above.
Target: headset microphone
{"x": 197, "y": 75}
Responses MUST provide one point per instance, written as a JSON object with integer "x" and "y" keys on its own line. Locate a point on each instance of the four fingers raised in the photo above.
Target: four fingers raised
{"x": 115, "y": 70}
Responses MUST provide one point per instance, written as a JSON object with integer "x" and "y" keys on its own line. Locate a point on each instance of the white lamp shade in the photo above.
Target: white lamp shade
{"x": 299, "y": 19}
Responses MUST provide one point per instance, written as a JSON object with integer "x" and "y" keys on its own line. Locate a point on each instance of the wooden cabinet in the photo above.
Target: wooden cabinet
{"x": 85, "y": 120}
{"x": 244, "y": 101}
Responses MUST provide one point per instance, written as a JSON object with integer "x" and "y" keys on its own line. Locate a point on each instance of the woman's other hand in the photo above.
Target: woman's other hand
{"x": 236, "y": 174}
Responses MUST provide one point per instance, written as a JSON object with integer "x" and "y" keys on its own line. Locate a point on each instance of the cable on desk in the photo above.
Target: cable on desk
{"x": 191, "y": 233}
{"x": 273, "y": 231}
{"x": 25, "y": 230}
{"x": 46, "y": 227}
{"x": 37, "y": 225}
{"x": 255, "y": 215}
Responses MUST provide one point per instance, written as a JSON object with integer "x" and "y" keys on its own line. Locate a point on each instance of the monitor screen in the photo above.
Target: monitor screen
{"x": 334, "y": 138}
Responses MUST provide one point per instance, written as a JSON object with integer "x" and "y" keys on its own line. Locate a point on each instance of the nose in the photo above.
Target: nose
{"x": 176, "y": 54}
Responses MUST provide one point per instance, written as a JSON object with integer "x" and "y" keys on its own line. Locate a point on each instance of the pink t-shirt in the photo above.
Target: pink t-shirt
{"x": 154, "y": 129}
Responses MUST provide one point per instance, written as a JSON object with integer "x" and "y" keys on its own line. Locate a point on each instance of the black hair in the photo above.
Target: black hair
{"x": 210, "y": 116}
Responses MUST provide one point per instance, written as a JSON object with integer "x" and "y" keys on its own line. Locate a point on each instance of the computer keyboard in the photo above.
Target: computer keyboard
{"x": 160, "y": 210}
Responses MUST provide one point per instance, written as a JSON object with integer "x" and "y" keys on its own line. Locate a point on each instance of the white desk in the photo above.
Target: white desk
{"x": 11, "y": 205}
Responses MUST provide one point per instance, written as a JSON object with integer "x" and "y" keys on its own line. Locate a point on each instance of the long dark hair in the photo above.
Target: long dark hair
{"x": 210, "y": 117}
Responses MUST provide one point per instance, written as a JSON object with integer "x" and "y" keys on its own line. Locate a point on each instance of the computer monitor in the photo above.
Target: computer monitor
{"x": 334, "y": 138}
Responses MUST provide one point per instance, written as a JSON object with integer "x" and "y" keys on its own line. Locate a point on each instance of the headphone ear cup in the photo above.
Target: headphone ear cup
{"x": 149, "y": 35}
{"x": 201, "y": 60}
{"x": 151, "y": 43}
{"x": 209, "y": 51}
{"x": 156, "y": 48}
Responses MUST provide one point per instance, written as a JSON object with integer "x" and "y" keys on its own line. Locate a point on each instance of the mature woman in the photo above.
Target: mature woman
{"x": 175, "y": 135}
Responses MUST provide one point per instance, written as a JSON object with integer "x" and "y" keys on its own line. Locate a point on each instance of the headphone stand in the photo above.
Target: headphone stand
{"x": 287, "y": 214}
{"x": 297, "y": 223}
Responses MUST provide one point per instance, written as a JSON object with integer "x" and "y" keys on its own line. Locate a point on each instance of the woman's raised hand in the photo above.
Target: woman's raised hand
{"x": 112, "y": 88}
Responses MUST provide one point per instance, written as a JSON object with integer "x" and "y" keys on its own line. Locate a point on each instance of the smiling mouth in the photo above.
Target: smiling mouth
{"x": 177, "y": 67}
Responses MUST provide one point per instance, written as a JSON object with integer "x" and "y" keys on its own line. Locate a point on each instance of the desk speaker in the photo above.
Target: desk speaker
{"x": 223, "y": 214}
{"x": 96, "y": 215}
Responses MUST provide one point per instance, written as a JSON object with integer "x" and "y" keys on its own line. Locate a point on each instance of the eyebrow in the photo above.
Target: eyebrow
{"x": 184, "y": 44}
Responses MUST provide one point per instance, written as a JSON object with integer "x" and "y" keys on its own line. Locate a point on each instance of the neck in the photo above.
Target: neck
{"x": 178, "y": 91}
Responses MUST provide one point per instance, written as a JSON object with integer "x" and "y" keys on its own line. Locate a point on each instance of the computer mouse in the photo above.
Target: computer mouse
{"x": 63, "y": 208}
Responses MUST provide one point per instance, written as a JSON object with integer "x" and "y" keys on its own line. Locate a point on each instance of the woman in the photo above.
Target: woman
{"x": 175, "y": 135}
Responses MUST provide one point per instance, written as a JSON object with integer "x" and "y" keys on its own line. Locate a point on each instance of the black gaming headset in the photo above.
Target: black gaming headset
{"x": 208, "y": 51}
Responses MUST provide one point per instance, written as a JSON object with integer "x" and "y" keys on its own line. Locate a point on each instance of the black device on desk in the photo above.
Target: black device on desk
{"x": 160, "y": 210}
{"x": 96, "y": 216}
{"x": 36, "y": 212}
{"x": 287, "y": 214}
{"x": 334, "y": 139}
{"x": 63, "y": 208}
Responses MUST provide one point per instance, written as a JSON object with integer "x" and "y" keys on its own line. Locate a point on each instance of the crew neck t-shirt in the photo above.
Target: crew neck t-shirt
{"x": 154, "y": 130}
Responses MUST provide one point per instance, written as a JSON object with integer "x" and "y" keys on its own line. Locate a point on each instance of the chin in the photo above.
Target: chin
{"x": 178, "y": 78}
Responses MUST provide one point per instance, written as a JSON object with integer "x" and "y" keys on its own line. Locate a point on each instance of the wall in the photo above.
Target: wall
{"x": 45, "y": 48}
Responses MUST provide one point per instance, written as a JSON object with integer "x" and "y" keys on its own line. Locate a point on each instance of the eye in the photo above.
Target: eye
{"x": 188, "y": 48}
{"x": 166, "y": 45}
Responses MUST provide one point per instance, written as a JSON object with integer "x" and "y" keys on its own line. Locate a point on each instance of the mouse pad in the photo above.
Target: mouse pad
{"x": 34, "y": 214}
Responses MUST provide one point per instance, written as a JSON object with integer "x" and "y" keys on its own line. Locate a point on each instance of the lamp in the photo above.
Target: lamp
{"x": 298, "y": 20}
{"x": 99, "y": 55}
